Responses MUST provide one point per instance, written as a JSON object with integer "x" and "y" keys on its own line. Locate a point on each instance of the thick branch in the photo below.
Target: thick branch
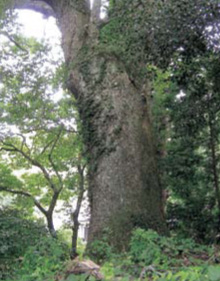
{"x": 26, "y": 194}
{"x": 96, "y": 10}
{"x": 47, "y": 213}
{"x": 18, "y": 192}
{"x": 11, "y": 147}
{"x": 53, "y": 201}
{"x": 42, "y": 7}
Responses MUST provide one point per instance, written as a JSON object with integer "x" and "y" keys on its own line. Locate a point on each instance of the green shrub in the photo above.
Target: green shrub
{"x": 65, "y": 235}
{"x": 42, "y": 261}
{"x": 16, "y": 235}
{"x": 211, "y": 273}
{"x": 100, "y": 251}
{"x": 148, "y": 247}
{"x": 157, "y": 258}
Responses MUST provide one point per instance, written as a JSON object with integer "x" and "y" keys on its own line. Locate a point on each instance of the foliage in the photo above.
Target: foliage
{"x": 148, "y": 247}
{"x": 65, "y": 235}
{"x": 100, "y": 250}
{"x": 38, "y": 121}
{"x": 17, "y": 233}
{"x": 185, "y": 109}
{"x": 154, "y": 257}
{"x": 139, "y": 32}
{"x": 179, "y": 34}
{"x": 7, "y": 178}
{"x": 203, "y": 273}
{"x": 210, "y": 273}
{"x": 27, "y": 252}
{"x": 190, "y": 160}
{"x": 43, "y": 260}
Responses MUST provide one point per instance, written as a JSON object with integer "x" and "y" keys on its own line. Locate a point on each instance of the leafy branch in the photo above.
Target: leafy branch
{"x": 26, "y": 194}
{"x": 15, "y": 42}
{"x": 12, "y": 148}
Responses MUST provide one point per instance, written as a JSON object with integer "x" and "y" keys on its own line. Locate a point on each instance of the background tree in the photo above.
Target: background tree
{"x": 185, "y": 112}
{"x": 193, "y": 148}
{"x": 39, "y": 131}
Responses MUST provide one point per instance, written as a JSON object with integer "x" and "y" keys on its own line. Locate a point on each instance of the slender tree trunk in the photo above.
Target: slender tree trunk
{"x": 75, "y": 229}
{"x": 75, "y": 214}
{"x": 214, "y": 163}
{"x": 49, "y": 213}
{"x": 50, "y": 225}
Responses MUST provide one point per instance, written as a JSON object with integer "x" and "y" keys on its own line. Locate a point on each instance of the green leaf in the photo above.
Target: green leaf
{"x": 214, "y": 273}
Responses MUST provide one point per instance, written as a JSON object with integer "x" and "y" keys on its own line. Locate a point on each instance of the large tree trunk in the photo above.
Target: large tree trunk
{"x": 124, "y": 187}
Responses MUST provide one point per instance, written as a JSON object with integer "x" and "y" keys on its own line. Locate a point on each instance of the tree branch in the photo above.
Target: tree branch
{"x": 24, "y": 142}
{"x": 96, "y": 10}
{"x": 18, "y": 192}
{"x": 10, "y": 38}
{"x": 46, "y": 147}
{"x": 51, "y": 160}
{"x": 11, "y": 147}
{"x": 43, "y": 7}
{"x": 54, "y": 201}
{"x": 26, "y": 194}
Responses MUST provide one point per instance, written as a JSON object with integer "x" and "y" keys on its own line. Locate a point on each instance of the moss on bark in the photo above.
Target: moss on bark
{"x": 124, "y": 188}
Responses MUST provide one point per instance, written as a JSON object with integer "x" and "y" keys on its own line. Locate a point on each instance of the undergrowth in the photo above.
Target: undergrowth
{"x": 151, "y": 257}
{"x": 158, "y": 258}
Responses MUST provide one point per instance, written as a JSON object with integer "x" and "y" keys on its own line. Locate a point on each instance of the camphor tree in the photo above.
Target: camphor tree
{"x": 106, "y": 72}
{"x": 38, "y": 130}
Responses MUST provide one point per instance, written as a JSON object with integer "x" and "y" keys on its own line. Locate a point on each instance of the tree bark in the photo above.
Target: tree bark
{"x": 50, "y": 225}
{"x": 50, "y": 211}
{"x": 123, "y": 176}
{"x": 214, "y": 162}
{"x": 124, "y": 187}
